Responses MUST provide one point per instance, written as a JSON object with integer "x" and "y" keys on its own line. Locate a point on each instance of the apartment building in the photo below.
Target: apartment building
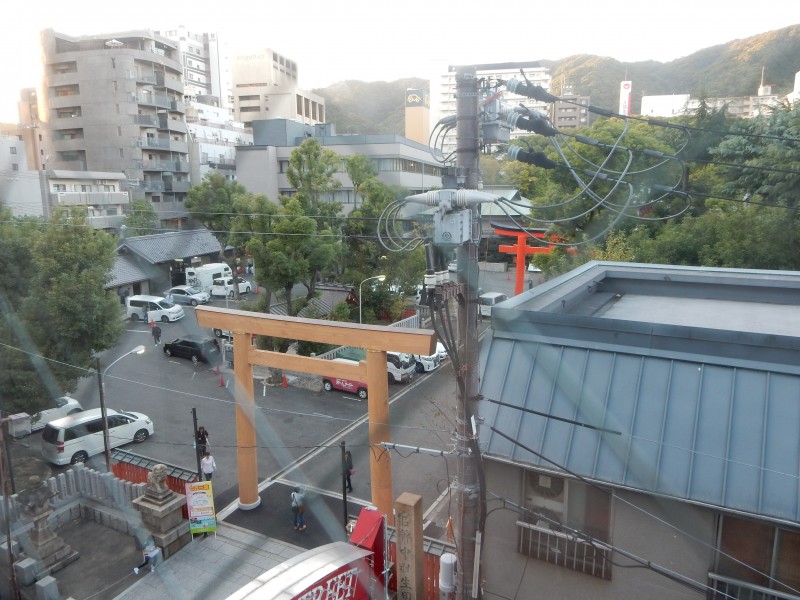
{"x": 206, "y": 71}
{"x": 571, "y": 110}
{"x": 265, "y": 86}
{"x": 213, "y": 137}
{"x": 115, "y": 103}
{"x": 443, "y": 93}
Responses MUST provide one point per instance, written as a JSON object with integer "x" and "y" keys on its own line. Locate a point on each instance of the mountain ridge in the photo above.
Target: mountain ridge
{"x": 725, "y": 70}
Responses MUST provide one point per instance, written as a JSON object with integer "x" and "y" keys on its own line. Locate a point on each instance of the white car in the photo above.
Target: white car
{"x": 186, "y": 294}
{"x": 440, "y": 350}
{"x": 62, "y": 407}
{"x": 224, "y": 286}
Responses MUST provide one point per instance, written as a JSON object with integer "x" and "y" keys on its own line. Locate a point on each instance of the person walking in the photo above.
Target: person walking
{"x": 298, "y": 509}
{"x": 156, "y": 331}
{"x": 201, "y": 438}
{"x": 207, "y": 465}
{"x": 150, "y": 554}
{"x": 349, "y": 470}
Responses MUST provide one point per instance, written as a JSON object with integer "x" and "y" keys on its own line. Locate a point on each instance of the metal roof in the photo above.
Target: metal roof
{"x": 126, "y": 270}
{"x": 709, "y": 415}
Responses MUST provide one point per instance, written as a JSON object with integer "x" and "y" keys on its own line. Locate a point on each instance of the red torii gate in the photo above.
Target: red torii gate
{"x": 521, "y": 248}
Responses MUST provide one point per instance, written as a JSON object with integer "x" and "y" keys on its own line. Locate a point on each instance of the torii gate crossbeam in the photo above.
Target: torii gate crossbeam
{"x": 375, "y": 339}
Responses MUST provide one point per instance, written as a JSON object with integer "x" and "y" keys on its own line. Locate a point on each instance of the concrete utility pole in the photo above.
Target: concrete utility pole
{"x": 468, "y": 492}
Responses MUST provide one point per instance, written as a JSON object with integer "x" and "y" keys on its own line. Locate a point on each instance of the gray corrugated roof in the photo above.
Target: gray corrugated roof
{"x": 707, "y": 427}
{"x": 126, "y": 269}
{"x": 165, "y": 247}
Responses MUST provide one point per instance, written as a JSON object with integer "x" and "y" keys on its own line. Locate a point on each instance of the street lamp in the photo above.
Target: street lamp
{"x": 138, "y": 350}
{"x": 379, "y": 278}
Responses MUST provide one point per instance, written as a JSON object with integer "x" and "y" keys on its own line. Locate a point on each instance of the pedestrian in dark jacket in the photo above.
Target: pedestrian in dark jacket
{"x": 156, "y": 331}
{"x": 348, "y": 470}
{"x": 201, "y": 438}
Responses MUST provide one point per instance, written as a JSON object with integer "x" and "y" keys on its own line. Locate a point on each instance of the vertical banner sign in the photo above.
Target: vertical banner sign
{"x": 200, "y": 505}
{"x": 625, "y": 98}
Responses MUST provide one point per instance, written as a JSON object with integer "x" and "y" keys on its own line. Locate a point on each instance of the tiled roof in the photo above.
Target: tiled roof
{"x": 126, "y": 269}
{"x": 165, "y": 247}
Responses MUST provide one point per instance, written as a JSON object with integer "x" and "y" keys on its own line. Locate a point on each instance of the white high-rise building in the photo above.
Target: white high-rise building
{"x": 443, "y": 92}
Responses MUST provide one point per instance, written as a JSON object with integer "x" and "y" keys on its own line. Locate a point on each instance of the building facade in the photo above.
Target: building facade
{"x": 443, "y": 93}
{"x": 639, "y": 433}
{"x": 571, "y": 111}
{"x": 213, "y": 137}
{"x": 261, "y": 168}
{"x": 115, "y": 103}
{"x": 265, "y": 86}
{"x": 206, "y": 71}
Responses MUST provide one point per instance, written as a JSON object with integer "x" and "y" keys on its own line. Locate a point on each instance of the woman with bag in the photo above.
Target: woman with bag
{"x": 298, "y": 510}
{"x": 349, "y": 470}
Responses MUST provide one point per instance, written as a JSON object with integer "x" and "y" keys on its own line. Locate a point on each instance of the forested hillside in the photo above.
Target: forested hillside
{"x": 732, "y": 69}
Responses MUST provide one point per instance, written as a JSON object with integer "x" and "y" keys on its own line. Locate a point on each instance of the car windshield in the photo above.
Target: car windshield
{"x": 165, "y": 304}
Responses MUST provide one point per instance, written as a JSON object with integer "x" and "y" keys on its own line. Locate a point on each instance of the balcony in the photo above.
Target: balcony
{"x": 106, "y": 222}
{"x": 145, "y": 77}
{"x": 69, "y": 144}
{"x": 156, "y": 100}
{"x": 169, "y": 82}
{"x": 165, "y": 122}
{"x": 154, "y": 143}
{"x": 163, "y": 165}
{"x": 146, "y": 120}
{"x": 90, "y": 198}
{"x": 151, "y": 186}
{"x": 177, "y": 186}
{"x": 563, "y": 550}
{"x": 724, "y": 588}
{"x": 222, "y": 163}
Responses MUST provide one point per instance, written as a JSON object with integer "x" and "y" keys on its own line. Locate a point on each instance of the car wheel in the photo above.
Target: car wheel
{"x": 195, "y": 359}
{"x": 165, "y": 319}
{"x": 362, "y": 393}
{"x": 78, "y": 458}
{"x": 74, "y": 411}
{"x": 141, "y": 436}
{"x": 193, "y": 302}
{"x": 167, "y": 351}
{"x": 247, "y": 290}
{"x": 391, "y": 379}
{"x": 134, "y": 317}
{"x": 327, "y": 385}
{"x": 230, "y": 294}
{"x": 419, "y": 368}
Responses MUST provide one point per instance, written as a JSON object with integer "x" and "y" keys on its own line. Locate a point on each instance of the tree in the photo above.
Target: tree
{"x": 211, "y": 203}
{"x": 311, "y": 172}
{"x": 142, "y": 220}
{"x": 360, "y": 169}
{"x": 63, "y": 317}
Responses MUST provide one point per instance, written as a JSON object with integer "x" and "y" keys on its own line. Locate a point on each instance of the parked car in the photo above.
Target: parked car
{"x": 74, "y": 439}
{"x": 186, "y": 294}
{"x": 224, "y": 286}
{"x": 440, "y": 350}
{"x": 197, "y": 349}
{"x": 61, "y": 407}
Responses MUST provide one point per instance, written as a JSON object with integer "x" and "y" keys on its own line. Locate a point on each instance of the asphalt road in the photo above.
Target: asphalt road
{"x": 298, "y": 430}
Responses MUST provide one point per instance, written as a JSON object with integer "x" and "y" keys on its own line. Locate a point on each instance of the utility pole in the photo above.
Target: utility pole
{"x": 344, "y": 483}
{"x": 194, "y": 437}
{"x": 468, "y": 492}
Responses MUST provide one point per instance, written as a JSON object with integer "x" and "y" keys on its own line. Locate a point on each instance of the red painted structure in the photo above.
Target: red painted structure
{"x": 521, "y": 249}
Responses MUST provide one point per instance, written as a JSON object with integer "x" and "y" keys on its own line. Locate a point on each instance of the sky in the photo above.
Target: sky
{"x": 376, "y": 40}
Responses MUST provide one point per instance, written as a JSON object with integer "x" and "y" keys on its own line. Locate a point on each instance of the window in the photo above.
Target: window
{"x": 249, "y": 97}
{"x": 559, "y": 506}
{"x": 59, "y": 187}
{"x": 14, "y": 167}
{"x": 250, "y": 109}
{"x": 13, "y": 150}
{"x": 772, "y": 554}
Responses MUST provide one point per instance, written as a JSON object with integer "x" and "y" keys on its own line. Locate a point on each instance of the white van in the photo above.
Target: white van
{"x": 73, "y": 439}
{"x": 488, "y": 300}
{"x": 401, "y": 367}
{"x": 155, "y": 308}
{"x": 202, "y": 277}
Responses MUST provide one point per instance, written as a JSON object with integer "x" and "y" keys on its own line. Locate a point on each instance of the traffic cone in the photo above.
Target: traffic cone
{"x": 221, "y": 381}
{"x": 284, "y": 383}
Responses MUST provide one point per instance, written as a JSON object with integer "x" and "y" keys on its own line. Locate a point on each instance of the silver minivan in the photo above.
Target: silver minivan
{"x": 74, "y": 439}
{"x": 152, "y": 308}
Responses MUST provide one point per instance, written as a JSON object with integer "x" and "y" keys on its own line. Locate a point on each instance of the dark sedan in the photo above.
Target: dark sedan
{"x": 196, "y": 349}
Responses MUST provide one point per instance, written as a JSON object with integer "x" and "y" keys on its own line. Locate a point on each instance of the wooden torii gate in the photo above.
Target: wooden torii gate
{"x": 374, "y": 339}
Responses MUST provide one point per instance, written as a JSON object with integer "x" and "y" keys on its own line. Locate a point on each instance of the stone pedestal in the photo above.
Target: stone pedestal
{"x": 160, "y": 509}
